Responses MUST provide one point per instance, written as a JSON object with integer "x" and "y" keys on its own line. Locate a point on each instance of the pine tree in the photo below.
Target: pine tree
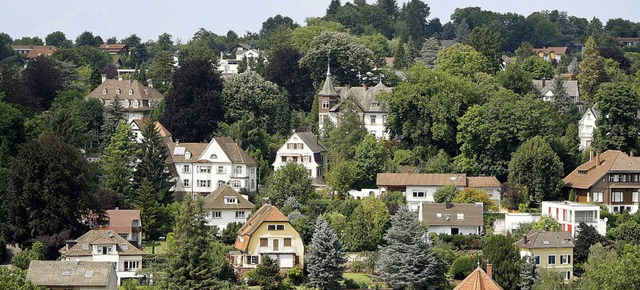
{"x": 267, "y": 274}
{"x": 325, "y": 260}
{"x": 429, "y": 52}
{"x": 406, "y": 259}
{"x": 400, "y": 57}
{"x": 112, "y": 116}
{"x": 117, "y": 162}
{"x": 148, "y": 206}
{"x": 592, "y": 71}
{"x": 527, "y": 273}
{"x": 160, "y": 71}
{"x": 152, "y": 164}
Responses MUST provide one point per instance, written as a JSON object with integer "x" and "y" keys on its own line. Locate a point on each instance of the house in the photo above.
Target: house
{"x": 369, "y": 108}
{"x": 267, "y": 232}
{"x": 452, "y": 218}
{"x": 552, "y": 53}
{"x": 116, "y": 48}
{"x": 628, "y": 41}
{"x": 201, "y": 168}
{"x": 570, "y": 214}
{"x": 306, "y": 149}
{"x": 549, "y": 250}
{"x": 136, "y": 99}
{"x": 138, "y": 125}
{"x": 512, "y": 221}
{"x": 225, "y": 205}
{"x": 545, "y": 87}
{"x": 419, "y": 188}
{"x": 239, "y": 52}
{"x": 586, "y": 126}
{"x": 479, "y": 280}
{"x": 126, "y": 223}
{"x": 611, "y": 178}
{"x": 76, "y": 275}
{"x": 33, "y": 51}
{"x": 105, "y": 246}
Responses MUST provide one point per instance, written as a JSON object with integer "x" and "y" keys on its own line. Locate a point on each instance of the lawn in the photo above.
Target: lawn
{"x": 161, "y": 247}
{"x": 359, "y": 277}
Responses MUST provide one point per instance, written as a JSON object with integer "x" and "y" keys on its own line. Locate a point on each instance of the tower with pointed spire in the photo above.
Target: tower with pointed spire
{"x": 328, "y": 98}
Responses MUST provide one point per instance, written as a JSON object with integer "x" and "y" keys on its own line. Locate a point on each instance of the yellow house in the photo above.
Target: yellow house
{"x": 550, "y": 250}
{"x": 268, "y": 232}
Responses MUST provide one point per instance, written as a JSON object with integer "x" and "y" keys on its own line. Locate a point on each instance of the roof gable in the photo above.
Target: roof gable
{"x": 540, "y": 240}
{"x": 478, "y": 280}
{"x": 216, "y": 199}
{"x": 266, "y": 213}
{"x": 590, "y": 172}
{"x": 100, "y": 237}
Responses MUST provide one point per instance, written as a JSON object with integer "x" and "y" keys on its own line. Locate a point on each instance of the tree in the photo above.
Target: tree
{"x": 290, "y": 180}
{"x": 406, "y": 259}
{"x": 471, "y": 195}
{"x": 193, "y": 106}
{"x": 440, "y": 163}
{"x": 415, "y": 14}
{"x": 618, "y": 127}
{"x": 536, "y": 166}
{"x": 462, "y": 266}
{"x": 146, "y": 202}
{"x": 333, "y": 8}
{"x": 517, "y": 79}
{"x": 87, "y": 38}
{"x": 463, "y": 60}
{"x": 43, "y": 80}
{"x": 342, "y": 176}
{"x": 547, "y": 223}
{"x": 528, "y": 275}
{"x": 152, "y": 164}
{"x": 267, "y": 274}
{"x": 608, "y": 268}
{"x": 325, "y": 259}
{"x": 343, "y": 52}
{"x": 371, "y": 158}
{"x": 164, "y": 42}
{"x": 524, "y": 51}
{"x": 586, "y": 237}
{"x": 500, "y": 251}
{"x": 513, "y": 195}
{"x": 58, "y": 39}
{"x": 302, "y": 37}
{"x": 488, "y": 43}
{"x": 591, "y": 71}
{"x": 283, "y": 70}
{"x": 113, "y": 114}
{"x": 12, "y": 131}
{"x": 343, "y": 140}
{"x": 24, "y": 258}
{"x": 429, "y": 52}
{"x": 16, "y": 278}
{"x": 462, "y": 31}
{"x": 446, "y": 193}
{"x": 400, "y": 58}
{"x": 562, "y": 101}
{"x": 5, "y": 46}
{"x": 161, "y": 70}
{"x": 368, "y": 223}
{"x": 247, "y": 93}
{"x": 117, "y": 162}
{"x": 192, "y": 263}
{"x": 45, "y": 191}
{"x": 538, "y": 68}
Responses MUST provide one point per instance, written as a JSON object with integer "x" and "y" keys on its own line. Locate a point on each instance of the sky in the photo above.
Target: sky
{"x": 148, "y": 19}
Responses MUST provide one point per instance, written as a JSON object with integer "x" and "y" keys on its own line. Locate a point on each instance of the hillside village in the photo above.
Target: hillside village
{"x": 371, "y": 148}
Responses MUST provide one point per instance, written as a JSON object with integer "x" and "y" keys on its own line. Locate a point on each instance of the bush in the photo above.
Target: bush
{"x": 3, "y": 249}
{"x": 351, "y": 284}
{"x": 295, "y": 276}
{"x": 462, "y": 243}
{"x": 462, "y": 266}
{"x": 24, "y": 258}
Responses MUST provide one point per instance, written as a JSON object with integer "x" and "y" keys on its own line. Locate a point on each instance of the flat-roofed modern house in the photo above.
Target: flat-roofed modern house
{"x": 570, "y": 214}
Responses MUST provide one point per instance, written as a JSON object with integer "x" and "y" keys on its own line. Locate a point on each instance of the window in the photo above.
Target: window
{"x": 551, "y": 260}
{"x": 130, "y": 92}
{"x": 598, "y": 197}
{"x": 536, "y": 259}
{"x": 384, "y": 119}
{"x": 460, "y": 216}
{"x": 439, "y": 215}
{"x": 275, "y": 227}
{"x": 565, "y": 259}
{"x": 230, "y": 200}
{"x": 186, "y": 183}
{"x": 104, "y": 91}
{"x": 253, "y": 170}
{"x": 216, "y": 214}
{"x": 204, "y": 169}
{"x": 373, "y": 119}
{"x": 584, "y": 216}
{"x": 236, "y": 183}
{"x": 252, "y": 260}
{"x": 136, "y": 103}
{"x": 118, "y": 91}
{"x": 613, "y": 177}
{"x": 221, "y": 169}
{"x": 325, "y": 104}
{"x": 238, "y": 169}
{"x": 617, "y": 196}
{"x": 284, "y": 158}
{"x": 264, "y": 242}
{"x": 204, "y": 183}
{"x": 418, "y": 194}
{"x": 374, "y": 104}
{"x": 566, "y": 275}
{"x": 634, "y": 196}
{"x": 213, "y": 156}
{"x": 221, "y": 183}
{"x": 186, "y": 169}
{"x": 239, "y": 214}
{"x": 85, "y": 247}
{"x": 131, "y": 265}
{"x": 307, "y": 158}
{"x": 124, "y": 246}
{"x": 582, "y": 172}
{"x": 126, "y": 103}
{"x": 287, "y": 242}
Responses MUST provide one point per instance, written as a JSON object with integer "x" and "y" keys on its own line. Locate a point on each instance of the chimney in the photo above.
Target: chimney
{"x": 544, "y": 82}
{"x": 150, "y": 83}
{"x": 266, "y": 200}
{"x": 490, "y": 270}
{"x": 117, "y": 208}
{"x": 590, "y": 155}
{"x": 525, "y": 240}
{"x": 364, "y": 86}
{"x": 597, "y": 159}
{"x": 447, "y": 204}
{"x": 104, "y": 77}
{"x": 71, "y": 243}
{"x": 119, "y": 77}
{"x": 631, "y": 153}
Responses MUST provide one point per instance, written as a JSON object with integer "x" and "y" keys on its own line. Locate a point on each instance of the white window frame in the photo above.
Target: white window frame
{"x": 549, "y": 259}
{"x": 186, "y": 169}
{"x": 240, "y": 214}
{"x": 221, "y": 170}
{"x": 635, "y": 196}
{"x": 216, "y": 214}
{"x": 460, "y": 216}
{"x": 238, "y": 169}
{"x": 186, "y": 183}
{"x": 372, "y": 119}
{"x": 565, "y": 259}
{"x": 617, "y": 196}
{"x": 325, "y": 104}
{"x": 230, "y": 200}
{"x": 536, "y": 260}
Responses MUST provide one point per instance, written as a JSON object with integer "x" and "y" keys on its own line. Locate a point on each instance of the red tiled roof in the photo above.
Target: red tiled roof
{"x": 478, "y": 280}
{"x": 587, "y": 174}
{"x": 120, "y": 221}
{"x": 267, "y": 213}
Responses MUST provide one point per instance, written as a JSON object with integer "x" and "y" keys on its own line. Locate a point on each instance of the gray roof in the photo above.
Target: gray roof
{"x": 234, "y": 152}
{"x": 366, "y": 97}
{"x": 82, "y": 247}
{"x": 328, "y": 88}
{"x": 70, "y": 273}
{"x": 215, "y": 200}
{"x": 312, "y": 141}
{"x": 438, "y": 214}
{"x": 538, "y": 239}
{"x": 570, "y": 86}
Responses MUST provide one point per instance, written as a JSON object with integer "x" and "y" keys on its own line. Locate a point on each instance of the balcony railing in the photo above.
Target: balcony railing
{"x": 281, "y": 250}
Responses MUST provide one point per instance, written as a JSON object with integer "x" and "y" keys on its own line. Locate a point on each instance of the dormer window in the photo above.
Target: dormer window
{"x": 118, "y": 91}
{"x": 130, "y": 92}
{"x": 213, "y": 156}
{"x": 460, "y": 216}
{"x": 374, "y": 105}
{"x": 136, "y": 103}
{"x": 230, "y": 200}
{"x": 582, "y": 172}
{"x": 105, "y": 91}
{"x": 187, "y": 155}
{"x": 126, "y": 103}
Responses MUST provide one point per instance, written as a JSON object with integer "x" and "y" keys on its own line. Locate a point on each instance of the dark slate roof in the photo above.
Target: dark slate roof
{"x": 312, "y": 141}
{"x": 327, "y": 88}
{"x": 100, "y": 237}
{"x": 234, "y": 152}
{"x": 438, "y": 214}
{"x": 538, "y": 239}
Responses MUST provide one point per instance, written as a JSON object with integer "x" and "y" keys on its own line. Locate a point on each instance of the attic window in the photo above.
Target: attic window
{"x": 582, "y": 172}
{"x": 230, "y": 200}
{"x": 124, "y": 246}
{"x": 130, "y": 92}
{"x": 118, "y": 91}
{"x": 460, "y": 216}
{"x": 66, "y": 273}
{"x": 187, "y": 155}
{"x": 136, "y": 103}
{"x": 85, "y": 247}
{"x": 88, "y": 273}
{"x": 374, "y": 105}
{"x": 439, "y": 215}
{"x": 275, "y": 227}
{"x": 104, "y": 91}
{"x": 126, "y": 103}
{"x": 213, "y": 156}
{"x": 545, "y": 242}
{"x": 146, "y": 92}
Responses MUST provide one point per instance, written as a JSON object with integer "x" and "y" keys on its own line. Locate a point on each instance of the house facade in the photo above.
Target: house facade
{"x": 239, "y": 52}
{"x": 105, "y": 246}
{"x": 551, "y": 53}
{"x": 73, "y": 275}
{"x": 225, "y": 205}
{"x": 549, "y": 250}
{"x": 570, "y": 214}
{"x": 138, "y": 125}
{"x": 419, "y": 188}
{"x": 452, "y": 218}
{"x": 611, "y": 178}
{"x": 126, "y": 223}
{"x": 586, "y": 127}
{"x": 306, "y": 149}
{"x": 371, "y": 111}
{"x": 136, "y": 99}
{"x": 267, "y": 233}
{"x": 200, "y": 168}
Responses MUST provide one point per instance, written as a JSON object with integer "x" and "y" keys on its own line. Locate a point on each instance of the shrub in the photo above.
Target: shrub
{"x": 24, "y": 258}
{"x": 462, "y": 266}
{"x": 295, "y": 276}
{"x": 351, "y": 284}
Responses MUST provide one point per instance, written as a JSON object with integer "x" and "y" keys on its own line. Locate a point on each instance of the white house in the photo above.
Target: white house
{"x": 513, "y": 221}
{"x": 240, "y": 51}
{"x": 551, "y": 53}
{"x": 105, "y": 246}
{"x": 200, "y": 168}
{"x": 306, "y": 149}
{"x": 137, "y": 100}
{"x": 587, "y": 125}
{"x": 419, "y": 188}
{"x": 545, "y": 89}
{"x": 452, "y": 218}
{"x": 225, "y": 205}
{"x": 367, "y": 105}
{"x": 138, "y": 125}
{"x": 570, "y": 214}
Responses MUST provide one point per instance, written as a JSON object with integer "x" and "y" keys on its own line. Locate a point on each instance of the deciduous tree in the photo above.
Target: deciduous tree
{"x": 536, "y": 166}
{"x": 462, "y": 60}
{"x": 470, "y": 194}
{"x": 618, "y": 128}
{"x": 367, "y": 226}
{"x": 290, "y": 180}
{"x": 371, "y": 158}
{"x": 446, "y": 193}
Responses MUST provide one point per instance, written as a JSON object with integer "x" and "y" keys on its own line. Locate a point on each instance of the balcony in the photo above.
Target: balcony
{"x": 279, "y": 250}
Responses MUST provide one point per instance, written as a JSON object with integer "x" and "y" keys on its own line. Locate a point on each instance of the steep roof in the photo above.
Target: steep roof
{"x": 589, "y": 173}
{"x": 234, "y": 152}
{"x": 147, "y": 97}
{"x": 178, "y": 155}
{"x": 162, "y": 130}
{"x": 266, "y": 213}
{"x": 70, "y": 273}
{"x": 367, "y": 98}
{"x": 550, "y": 49}
{"x": 327, "y": 88}
{"x": 478, "y": 280}
{"x": 570, "y": 86}
{"x": 121, "y": 220}
{"x": 482, "y": 181}
{"x": 312, "y": 141}
{"x": 539, "y": 240}
{"x": 404, "y": 179}
{"x": 215, "y": 200}
{"x": 41, "y": 50}
{"x": 114, "y": 48}
{"x": 439, "y": 214}
{"x": 100, "y": 237}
